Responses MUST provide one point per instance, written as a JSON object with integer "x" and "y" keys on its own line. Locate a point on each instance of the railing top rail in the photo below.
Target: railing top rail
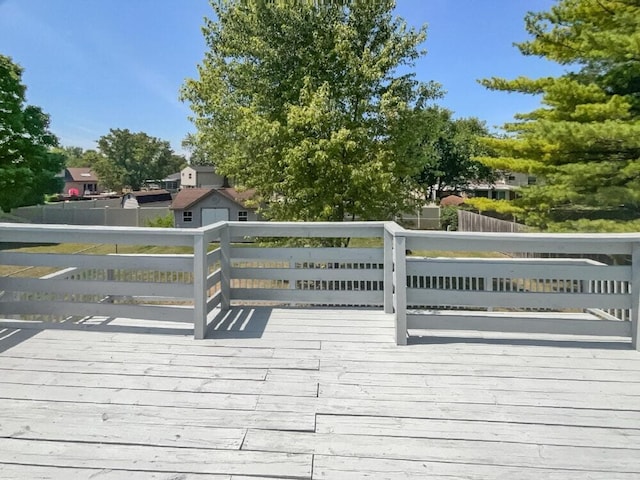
{"x": 307, "y": 229}
{"x": 526, "y": 236}
{"x": 60, "y": 233}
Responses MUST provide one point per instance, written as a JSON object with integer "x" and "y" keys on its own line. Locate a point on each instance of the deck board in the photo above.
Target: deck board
{"x": 312, "y": 394}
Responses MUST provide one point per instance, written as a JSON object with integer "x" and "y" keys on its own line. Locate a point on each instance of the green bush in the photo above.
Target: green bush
{"x": 449, "y": 218}
{"x": 161, "y": 222}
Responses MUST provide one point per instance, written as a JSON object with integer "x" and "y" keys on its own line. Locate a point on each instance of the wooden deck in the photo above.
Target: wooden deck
{"x": 303, "y": 393}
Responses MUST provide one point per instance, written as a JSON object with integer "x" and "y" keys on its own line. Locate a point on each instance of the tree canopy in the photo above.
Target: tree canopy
{"x": 130, "y": 159}
{"x": 584, "y": 141}
{"x": 311, "y": 106}
{"x": 28, "y": 170}
{"x": 448, "y": 147}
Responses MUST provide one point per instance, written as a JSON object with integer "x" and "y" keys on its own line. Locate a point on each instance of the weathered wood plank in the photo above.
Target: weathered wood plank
{"x": 455, "y": 382}
{"x": 479, "y": 430}
{"x": 482, "y": 370}
{"x": 508, "y": 347}
{"x": 160, "y": 459}
{"x": 72, "y": 428}
{"x": 184, "y": 340}
{"x": 33, "y": 472}
{"x": 162, "y": 359}
{"x": 426, "y": 357}
{"x": 453, "y": 411}
{"x": 129, "y": 397}
{"x": 131, "y": 415}
{"x": 612, "y": 460}
{"x": 358, "y": 468}
{"x": 145, "y": 382}
{"x": 90, "y": 367}
{"x": 470, "y": 395}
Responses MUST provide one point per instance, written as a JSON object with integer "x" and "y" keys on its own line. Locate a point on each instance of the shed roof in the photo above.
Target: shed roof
{"x": 82, "y": 174}
{"x": 202, "y": 168}
{"x": 150, "y": 196}
{"x": 188, "y": 197}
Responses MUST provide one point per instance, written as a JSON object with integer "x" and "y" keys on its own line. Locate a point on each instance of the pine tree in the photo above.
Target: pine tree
{"x": 583, "y": 143}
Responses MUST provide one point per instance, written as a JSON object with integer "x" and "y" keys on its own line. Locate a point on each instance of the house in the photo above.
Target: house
{"x": 81, "y": 181}
{"x": 200, "y": 176}
{"x": 196, "y": 207}
{"x": 502, "y": 189}
{"x": 151, "y": 198}
{"x": 171, "y": 183}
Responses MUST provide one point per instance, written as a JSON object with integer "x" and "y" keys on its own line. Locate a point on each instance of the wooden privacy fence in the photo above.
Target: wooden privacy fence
{"x": 540, "y": 295}
{"x": 474, "y": 222}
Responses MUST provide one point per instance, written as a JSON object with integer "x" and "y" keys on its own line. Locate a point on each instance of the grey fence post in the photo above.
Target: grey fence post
{"x": 225, "y": 268}
{"x": 388, "y": 271}
{"x": 635, "y": 296}
{"x": 200, "y": 271}
{"x": 400, "y": 288}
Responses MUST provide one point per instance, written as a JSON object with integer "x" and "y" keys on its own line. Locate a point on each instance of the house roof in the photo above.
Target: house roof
{"x": 188, "y": 197}
{"x": 451, "y": 200}
{"x": 172, "y": 178}
{"x": 144, "y": 196}
{"x": 82, "y": 174}
{"x": 202, "y": 168}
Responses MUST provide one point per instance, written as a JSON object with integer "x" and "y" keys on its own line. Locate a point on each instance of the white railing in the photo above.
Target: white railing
{"x": 422, "y": 291}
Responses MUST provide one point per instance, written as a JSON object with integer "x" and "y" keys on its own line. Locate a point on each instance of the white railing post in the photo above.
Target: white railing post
{"x": 200, "y": 272}
{"x": 225, "y": 268}
{"x": 388, "y": 271}
{"x": 635, "y": 296}
{"x": 400, "y": 288}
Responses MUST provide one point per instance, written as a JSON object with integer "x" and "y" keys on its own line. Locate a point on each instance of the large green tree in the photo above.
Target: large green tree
{"x": 584, "y": 141}
{"x": 28, "y": 170}
{"x": 448, "y": 147}
{"x": 129, "y": 159}
{"x": 306, "y": 102}
{"x": 73, "y": 156}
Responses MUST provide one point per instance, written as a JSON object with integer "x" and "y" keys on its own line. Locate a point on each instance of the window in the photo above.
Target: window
{"x": 243, "y": 216}
{"x": 187, "y": 216}
{"x": 190, "y": 176}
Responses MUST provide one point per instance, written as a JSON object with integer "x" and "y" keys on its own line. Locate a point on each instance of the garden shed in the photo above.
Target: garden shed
{"x": 197, "y": 207}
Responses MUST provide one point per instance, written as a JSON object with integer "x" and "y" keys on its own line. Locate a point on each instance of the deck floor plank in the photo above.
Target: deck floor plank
{"x": 312, "y": 394}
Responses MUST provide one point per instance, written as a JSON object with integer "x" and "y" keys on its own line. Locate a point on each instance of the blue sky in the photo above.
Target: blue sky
{"x": 100, "y": 64}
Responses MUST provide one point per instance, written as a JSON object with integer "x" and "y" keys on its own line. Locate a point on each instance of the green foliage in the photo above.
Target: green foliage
{"x": 73, "y": 156}
{"x": 504, "y": 207}
{"x": 27, "y": 168}
{"x": 449, "y": 218}
{"x": 584, "y": 142}
{"x": 447, "y": 148}
{"x": 129, "y": 159}
{"x": 306, "y": 105}
{"x": 165, "y": 221}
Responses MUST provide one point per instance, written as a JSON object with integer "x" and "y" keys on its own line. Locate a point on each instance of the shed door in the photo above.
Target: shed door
{"x": 213, "y": 215}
